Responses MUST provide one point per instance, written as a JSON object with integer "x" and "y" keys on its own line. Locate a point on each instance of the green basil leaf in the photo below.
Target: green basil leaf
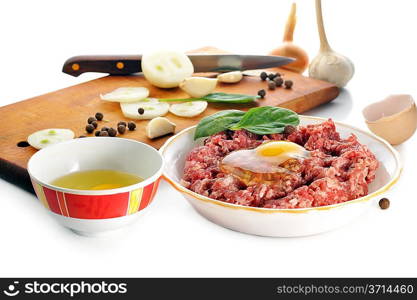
{"x": 217, "y": 122}
{"x": 267, "y": 120}
{"x": 229, "y": 98}
{"x": 218, "y": 98}
{"x": 180, "y": 99}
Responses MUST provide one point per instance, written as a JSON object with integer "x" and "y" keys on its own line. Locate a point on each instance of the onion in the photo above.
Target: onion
{"x": 289, "y": 49}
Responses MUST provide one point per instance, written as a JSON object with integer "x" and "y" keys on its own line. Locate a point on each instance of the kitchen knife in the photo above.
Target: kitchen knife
{"x": 129, "y": 64}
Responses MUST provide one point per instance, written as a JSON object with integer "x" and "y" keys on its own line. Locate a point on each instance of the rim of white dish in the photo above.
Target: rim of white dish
{"x": 124, "y": 189}
{"x": 383, "y": 189}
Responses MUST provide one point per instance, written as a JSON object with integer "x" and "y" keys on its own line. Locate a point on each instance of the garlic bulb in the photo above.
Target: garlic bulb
{"x": 329, "y": 65}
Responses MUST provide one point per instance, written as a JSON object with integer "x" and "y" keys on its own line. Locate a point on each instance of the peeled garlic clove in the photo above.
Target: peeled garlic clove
{"x": 188, "y": 109}
{"x": 394, "y": 118}
{"x": 230, "y": 77}
{"x": 253, "y": 73}
{"x": 158, "y": 127}
{"x": 198, "y": 87}
{"x": 152, "y": 109}
{"x": 166, "y": 69}
{"x": 47, "y": 137}
{"x": 126, "y": 94}
{"x": 332, "y": 67}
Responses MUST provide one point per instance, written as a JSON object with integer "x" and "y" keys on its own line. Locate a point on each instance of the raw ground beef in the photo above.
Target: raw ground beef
{"x": 337, "y": 171}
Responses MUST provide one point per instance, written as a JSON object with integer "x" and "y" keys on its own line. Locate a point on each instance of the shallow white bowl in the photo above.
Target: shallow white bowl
{"x": 283, "y": 222}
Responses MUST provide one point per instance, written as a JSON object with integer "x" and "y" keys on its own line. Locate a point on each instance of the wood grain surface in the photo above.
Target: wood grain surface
{"x": 70, "y": 108}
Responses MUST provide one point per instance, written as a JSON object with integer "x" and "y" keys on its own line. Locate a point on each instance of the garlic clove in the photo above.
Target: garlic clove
{"x": 198, "y": 86}
{"x": 332, "y": 67}
{"x": 159, "y": 126}
{"x": 394, "y": 118}
{"x": 253, "y": 73}
{"x": 230, "y": 77}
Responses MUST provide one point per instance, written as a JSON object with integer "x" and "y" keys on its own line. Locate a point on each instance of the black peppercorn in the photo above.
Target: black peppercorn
{"x": 288, "y": 129}
{"x": 97, "y": 133}
{"x": 121, "y": 129}
{"x": 112, "y": 132}
{"x": 99, "y": 116}
{"x": 261, "y": 93}
{"x": 277, "y": 74}
{"x": 271, "y": 76}
{"x": 263, "y": 75}
{"x": 384, "y": 203}
{"x": 131, "y": 126}
{"x": 95, "y": 124}
{"x": 104, "y": 133}
{"x": 91, "y": 120}
{"x": 105, "y": 128}
{"x": 141, "y": 110}
{"x": 271, "y": 85}
{"x": 89, "y": 128}
{"x": 122, "y": 123}
{"x": 288, "y": 84}
{"x": 278, "y": 81}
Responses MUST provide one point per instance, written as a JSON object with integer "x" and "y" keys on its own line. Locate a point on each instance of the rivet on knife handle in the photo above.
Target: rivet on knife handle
{"x": 115, "y": 65}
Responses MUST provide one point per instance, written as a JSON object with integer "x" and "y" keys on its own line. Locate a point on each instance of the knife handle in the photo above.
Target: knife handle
{"x": 113, "y": 64}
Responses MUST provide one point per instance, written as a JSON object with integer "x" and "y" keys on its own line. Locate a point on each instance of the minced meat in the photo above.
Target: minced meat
{"x": 338, "y": 170}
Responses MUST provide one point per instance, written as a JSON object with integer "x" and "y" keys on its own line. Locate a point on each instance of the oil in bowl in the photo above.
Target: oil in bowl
{"x": 96, "y": 180}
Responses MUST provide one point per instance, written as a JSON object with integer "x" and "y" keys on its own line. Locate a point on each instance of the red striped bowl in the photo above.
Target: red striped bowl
{"x": 98, "y": 211}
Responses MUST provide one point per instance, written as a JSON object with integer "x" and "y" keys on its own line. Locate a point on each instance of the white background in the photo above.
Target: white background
{"x": 173, "y": 240}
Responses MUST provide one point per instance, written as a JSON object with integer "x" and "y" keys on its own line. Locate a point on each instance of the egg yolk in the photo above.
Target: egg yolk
{"x": 266, "y": 163}
{"x": 280, "y": 149}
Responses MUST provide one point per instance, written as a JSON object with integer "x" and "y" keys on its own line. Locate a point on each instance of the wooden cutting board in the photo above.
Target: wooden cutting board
{"x": 70, "y": 108}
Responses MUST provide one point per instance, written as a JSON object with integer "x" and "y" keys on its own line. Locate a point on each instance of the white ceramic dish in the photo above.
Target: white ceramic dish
{"x": 94, "y": 212}
{"x": 283, "y": 222}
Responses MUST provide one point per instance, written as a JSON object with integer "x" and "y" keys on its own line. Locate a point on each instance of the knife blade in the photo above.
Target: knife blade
{"x": 130, "y": 64}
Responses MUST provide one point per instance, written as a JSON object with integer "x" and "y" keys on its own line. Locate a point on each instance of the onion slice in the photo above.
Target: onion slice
{"x": 47, "y": 137}
{"x": 188, "y": 109}
{"x": 126, "y": 94}
{"x": 152, "y": 109}
{"x": 166, "y": 69}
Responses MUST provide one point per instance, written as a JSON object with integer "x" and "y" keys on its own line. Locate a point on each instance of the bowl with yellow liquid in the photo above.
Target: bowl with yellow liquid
{"x": 95, "y": 185}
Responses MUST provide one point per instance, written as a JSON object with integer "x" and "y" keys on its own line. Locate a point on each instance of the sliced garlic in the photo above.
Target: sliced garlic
{"x": 158, "y": 127}
{"x": 198, "y": 86}
{"x": 188, "y": 109}
{"x": 230, "y": 77}
{"x": 126, "y": 94}
{"x": 47, "y": 137}
{"x": 166, "y": 69}
{"x": 152, "y": 109}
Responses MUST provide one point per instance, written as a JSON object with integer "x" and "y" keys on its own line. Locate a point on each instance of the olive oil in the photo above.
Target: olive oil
{"x": 96, "y": 180}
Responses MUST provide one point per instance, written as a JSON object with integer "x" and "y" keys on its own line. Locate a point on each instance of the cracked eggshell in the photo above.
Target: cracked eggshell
{"x": 394, "y": 118}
